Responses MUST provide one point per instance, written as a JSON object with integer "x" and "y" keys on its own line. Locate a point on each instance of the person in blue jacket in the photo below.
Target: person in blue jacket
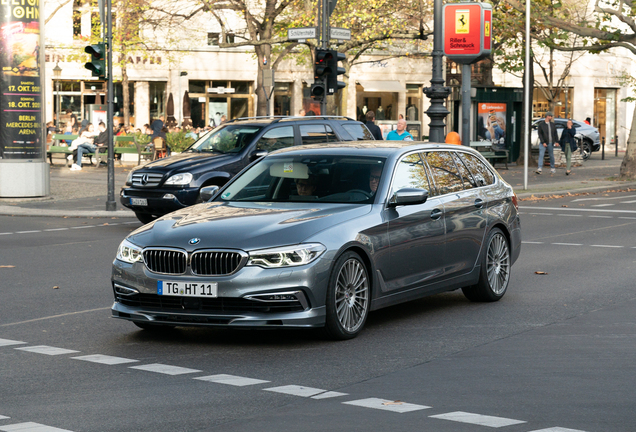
{"x": 568, "y": 144}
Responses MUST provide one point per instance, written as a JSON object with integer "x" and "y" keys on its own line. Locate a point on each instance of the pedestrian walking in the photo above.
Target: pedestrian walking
{"x": 547, "y": 137}
{"x": 373, "y": 128}
{"x": 568, "y": 145}
{"x": 400, "y": 134}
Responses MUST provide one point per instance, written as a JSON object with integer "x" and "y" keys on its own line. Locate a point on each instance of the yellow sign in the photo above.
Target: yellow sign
{"x": 487, "y": 29}
{"x": 461, "y": 21}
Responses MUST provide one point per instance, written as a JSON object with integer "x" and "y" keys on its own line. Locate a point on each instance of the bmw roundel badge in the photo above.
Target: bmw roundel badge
{"x": 194, "y": 241}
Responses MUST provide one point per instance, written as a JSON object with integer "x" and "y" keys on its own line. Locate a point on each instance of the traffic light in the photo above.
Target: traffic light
{"x": 333, "y": 85}
{"x": 321, "y": 73}
{"x": 97, "y": 65}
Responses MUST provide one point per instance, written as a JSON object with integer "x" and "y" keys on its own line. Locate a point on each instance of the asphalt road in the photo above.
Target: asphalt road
{"x": 556, "y": 354}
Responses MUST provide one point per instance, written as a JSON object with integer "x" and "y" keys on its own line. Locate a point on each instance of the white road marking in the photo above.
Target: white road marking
{"x": 478, "y": 419}
{"x": 54, "y": 316}
{"x": 628, "y": 202}
{"x": 30, "y": 427}
{"x": 6, "y": 342}
{"x": 28, "y": 232}
{"x": 48, "y": 350}
{"x": 602, "y": 205}
{"x": 56, "y": 229}
{"x": 540, "y": 214}
{"x": 165, "y": 369}
{"x": 387, "y": 405}
{"x": 607, "y": 246}
{"x": 576, "y": 209}
{"x": 6, "y": 233}
{"x": 571, "y": 215}
{"x": 231, "y": 380}
{"x": 3, "y": 417}
{"x": 83, "y": 226}
{"x": 531, "y": 242}
{"x": 329, "y": 394}
{"x": 603, "y": 198}
{"x": 605, "y": 217}
{"x": 105, "y": 359}
{"x": 568, "y": 244}
{"x": 626, "y": 217}
{"x": 557, "y": 429}
{"x": 296, "y": 390}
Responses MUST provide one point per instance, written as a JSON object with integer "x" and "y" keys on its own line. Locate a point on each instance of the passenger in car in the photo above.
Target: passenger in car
{"x": 306, "y": 187}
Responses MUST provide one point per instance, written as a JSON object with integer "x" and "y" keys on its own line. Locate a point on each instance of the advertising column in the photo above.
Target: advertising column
{"x": 23, "y": 168}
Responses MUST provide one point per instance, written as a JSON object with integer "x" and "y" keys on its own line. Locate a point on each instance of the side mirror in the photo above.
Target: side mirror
{"x": 257, "y": 154}
{"x": 208, "y": 192}
{"x": 408, "y": 196}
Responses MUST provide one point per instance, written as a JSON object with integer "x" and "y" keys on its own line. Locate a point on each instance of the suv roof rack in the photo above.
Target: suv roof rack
{"x": 280, "y": 118}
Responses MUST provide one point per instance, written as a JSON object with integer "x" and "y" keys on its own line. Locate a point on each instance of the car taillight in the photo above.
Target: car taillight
{"x": 515, "y": 201}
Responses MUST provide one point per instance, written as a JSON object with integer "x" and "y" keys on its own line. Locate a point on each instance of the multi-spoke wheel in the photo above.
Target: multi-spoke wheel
{"x": 495, "y": 270}
{"x": 348, "y": 297}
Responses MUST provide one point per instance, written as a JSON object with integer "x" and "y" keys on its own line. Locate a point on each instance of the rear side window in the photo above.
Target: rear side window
{"x": 358, "y": 131}
{"x": 467, "y": 177}
{"x": 316, "y": 134}
{"x": 276, "y": 138}
{"x": 447, "y": 178}
{"x": 483, "y": 176}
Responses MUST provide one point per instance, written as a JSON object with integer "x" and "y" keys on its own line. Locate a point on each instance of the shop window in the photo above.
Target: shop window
{"x": 562, "y": 105}
{"x": 196, "y": 87}
{"x": 157, "y": 93}
{"x": 213, "y": 39}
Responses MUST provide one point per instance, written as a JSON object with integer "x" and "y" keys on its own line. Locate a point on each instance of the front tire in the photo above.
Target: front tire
{"x": 586, "y": 150}
{"x": 494, "y": 275}
{"x": 348, "y": 297}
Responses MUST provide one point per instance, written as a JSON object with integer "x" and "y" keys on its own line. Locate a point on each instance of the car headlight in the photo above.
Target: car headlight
{"x": 179, "y": 179}
{"x": 128, "y": 252}
{"x": 287, "y": 256}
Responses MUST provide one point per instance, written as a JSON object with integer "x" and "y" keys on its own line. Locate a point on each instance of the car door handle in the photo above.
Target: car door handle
{"x": 436, "y": 214}
{"x": 479, "y": 203}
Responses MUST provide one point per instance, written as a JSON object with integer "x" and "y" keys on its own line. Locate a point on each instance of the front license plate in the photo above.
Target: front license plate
{"x": 139, "y": 201}
{"x": 187, "y": 289}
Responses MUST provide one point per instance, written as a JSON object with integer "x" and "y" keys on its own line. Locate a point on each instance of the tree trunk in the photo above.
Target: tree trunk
{"x": 126, "y": 94}
{"x": 628, "y": 166}
{"x": 262, "y": 52}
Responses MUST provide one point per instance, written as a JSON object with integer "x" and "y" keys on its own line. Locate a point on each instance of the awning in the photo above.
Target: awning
{"x": 382, "y": 86}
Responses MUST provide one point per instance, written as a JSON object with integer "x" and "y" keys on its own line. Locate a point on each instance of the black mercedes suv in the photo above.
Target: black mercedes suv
{"x": 174, "y": 182}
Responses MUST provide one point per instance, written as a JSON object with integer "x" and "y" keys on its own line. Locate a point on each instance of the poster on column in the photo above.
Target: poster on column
{"x": 491, "y": 124}
{"x": 20, "y": 91}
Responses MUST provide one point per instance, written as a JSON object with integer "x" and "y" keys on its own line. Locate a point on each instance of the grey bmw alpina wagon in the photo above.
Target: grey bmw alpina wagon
{"x": 320, "y": 235}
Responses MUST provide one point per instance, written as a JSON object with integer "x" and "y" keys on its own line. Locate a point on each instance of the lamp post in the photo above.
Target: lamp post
{"x": 57, "y": 74}
{"x": 181, "y": 74}
{"x": 437, "y": 112}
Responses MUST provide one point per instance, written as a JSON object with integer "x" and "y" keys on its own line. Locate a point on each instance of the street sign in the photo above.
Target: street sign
{"x": 268, "y": 78}
{"x": 339, "y": 33}
{"x": 467, "y": 31}
{"x": 302, "y": 33}
{"x": 221, "y": 90}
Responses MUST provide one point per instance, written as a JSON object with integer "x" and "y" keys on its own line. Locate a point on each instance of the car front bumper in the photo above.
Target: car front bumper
{"x": 239, "y": 303}
{"x": 159, "y": 201}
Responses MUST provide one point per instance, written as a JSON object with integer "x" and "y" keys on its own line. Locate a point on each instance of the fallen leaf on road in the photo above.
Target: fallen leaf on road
{"x": 563, "y": 205}
{"x": 56, "y": 287}
{"x": 6, "y": 266}
{"x": 541, "y": 273}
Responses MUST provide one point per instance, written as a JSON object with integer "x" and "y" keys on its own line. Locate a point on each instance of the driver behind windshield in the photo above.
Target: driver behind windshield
{"x": 306, "y": 187}
{"x": 374, "y": 178}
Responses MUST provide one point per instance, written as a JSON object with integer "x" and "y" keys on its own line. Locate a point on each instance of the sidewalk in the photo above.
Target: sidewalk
{"x": 84, "y": 193}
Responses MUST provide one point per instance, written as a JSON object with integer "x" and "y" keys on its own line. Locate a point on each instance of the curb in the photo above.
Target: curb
{"x": 591, "y": 189}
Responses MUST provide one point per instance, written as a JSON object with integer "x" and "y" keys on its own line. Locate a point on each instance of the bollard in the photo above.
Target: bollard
{"x": 616, "y": 142}
{"x": 603, "y": 149}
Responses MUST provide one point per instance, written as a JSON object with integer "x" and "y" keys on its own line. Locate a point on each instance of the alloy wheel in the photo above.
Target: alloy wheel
{"x": 498, "y": 264}
{"x": 352, "y": 295}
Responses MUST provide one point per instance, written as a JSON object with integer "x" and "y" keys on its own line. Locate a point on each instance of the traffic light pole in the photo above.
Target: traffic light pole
{"x": 324, "y": 44}
{"x": 111, "y": 205}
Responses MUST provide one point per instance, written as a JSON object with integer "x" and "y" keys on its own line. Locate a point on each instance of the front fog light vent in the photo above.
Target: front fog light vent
{"x": 290, "y": 296}
{"x": 125, "y": 291}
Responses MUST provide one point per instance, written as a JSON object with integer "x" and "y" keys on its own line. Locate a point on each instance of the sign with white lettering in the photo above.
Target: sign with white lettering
{"x": 467, "y": 31}
{"x": 339, "y": 33}
{"x": 301, "y": 33}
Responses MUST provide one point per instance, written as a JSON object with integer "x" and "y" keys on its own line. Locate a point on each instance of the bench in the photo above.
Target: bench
{"x": 122, "y": 145}
{"x": 63, "y": 149}
{"x": 495, "y": 156}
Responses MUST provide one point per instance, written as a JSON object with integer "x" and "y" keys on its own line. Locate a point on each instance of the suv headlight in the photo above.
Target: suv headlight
{"x": 287, "y": 256}
{"x": 179, "y": 179}
{"x": 128, "y": 252}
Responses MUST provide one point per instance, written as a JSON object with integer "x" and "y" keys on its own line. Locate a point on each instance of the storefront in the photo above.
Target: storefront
{"x": 211, "y": 101}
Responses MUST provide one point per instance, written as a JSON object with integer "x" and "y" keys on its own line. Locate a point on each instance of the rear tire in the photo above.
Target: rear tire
{"x": 494, "y": 275}
{"x": 145, "y": 218}
{"x": 348, "y": 297}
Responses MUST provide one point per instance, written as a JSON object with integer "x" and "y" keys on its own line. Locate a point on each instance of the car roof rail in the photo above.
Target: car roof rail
{"x": 276, "y": 119}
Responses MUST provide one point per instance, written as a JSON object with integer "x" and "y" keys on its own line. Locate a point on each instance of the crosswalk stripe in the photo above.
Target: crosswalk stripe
{"x": 386, "y": 405}
{"x": 477, "y": 419}
{"x": 231, "y": 380}
{"x": 105, "y": 359}
{"x": 296, "y": 390}
{"x": 7, "y": 342}
{"x": 557, "y": 429}
{"x": 48, "y": 350}
{"x": 30, "y": 427}
{"x": 165, "y": 369}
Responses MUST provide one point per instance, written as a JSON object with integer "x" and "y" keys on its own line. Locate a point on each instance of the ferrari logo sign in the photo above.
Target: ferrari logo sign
{"x": 486, "y": 28}
{"x": 462, "y": 20}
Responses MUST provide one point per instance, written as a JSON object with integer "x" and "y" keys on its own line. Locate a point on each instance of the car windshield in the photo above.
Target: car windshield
{"x": 230, "y": 138}
{"x": 320, "y": 178}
